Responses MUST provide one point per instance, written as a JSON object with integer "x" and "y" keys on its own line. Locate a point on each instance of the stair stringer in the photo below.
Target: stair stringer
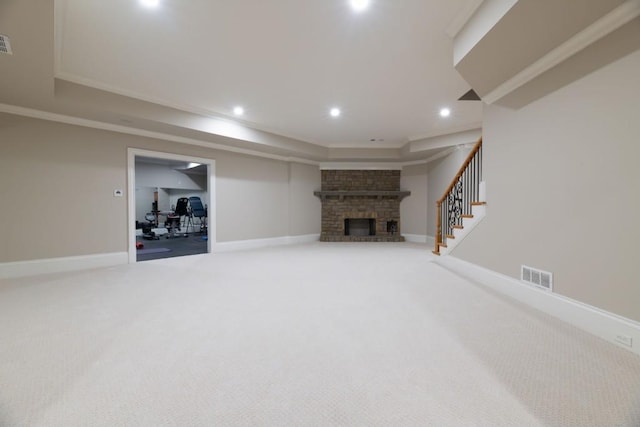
{"x": 469, "y": 224}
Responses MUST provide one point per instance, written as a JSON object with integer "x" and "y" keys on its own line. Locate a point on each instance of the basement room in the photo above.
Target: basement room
{"x": 336, "y": 213}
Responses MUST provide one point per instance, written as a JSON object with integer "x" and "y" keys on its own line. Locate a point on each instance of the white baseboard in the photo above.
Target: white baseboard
{"x": 238, "y": 245}
{"x": 420, "y": 238}
{"x": 415, "y": 238}
{"x": 305, "y": 238}
{"x": 591, "y": 319}
{"x": 58, "y": 265}
{"x": 430, "y": 241}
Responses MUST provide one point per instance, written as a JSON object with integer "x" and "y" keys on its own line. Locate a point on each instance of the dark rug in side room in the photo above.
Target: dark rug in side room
{"x": 152, "y": 251}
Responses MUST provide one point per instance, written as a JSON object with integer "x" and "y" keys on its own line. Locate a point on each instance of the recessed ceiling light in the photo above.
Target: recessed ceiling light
{"x": 445, "y": 112}
{"x": 150, "y": 3}
{"x": 359, "y": 5}
{"x": 238, "y": 111}
{"x": 335, "y": 112}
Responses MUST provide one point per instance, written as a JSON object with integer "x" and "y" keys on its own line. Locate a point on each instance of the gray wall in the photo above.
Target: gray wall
{"x": 305, "y": 209}
{"x": 57, "y": 187}
{"x": 413, "y": 209}
{"x": 563, "y": 189}
{"x": 57, "y": 181}
{"x": 252, "y": 196}
{"x": 261, "y": 198}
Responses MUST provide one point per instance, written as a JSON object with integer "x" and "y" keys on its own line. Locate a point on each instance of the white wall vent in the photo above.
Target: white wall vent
{"x": 542, "y": 279}
{"x": 5, "y": 45}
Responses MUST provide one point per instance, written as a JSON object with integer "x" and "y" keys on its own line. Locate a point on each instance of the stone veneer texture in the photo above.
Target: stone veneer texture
{"x": 360, "y": 180}
{"x": 382, "y": 208}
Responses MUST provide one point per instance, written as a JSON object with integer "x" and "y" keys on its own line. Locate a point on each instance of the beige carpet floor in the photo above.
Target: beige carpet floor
{"x": 311, "y": 335}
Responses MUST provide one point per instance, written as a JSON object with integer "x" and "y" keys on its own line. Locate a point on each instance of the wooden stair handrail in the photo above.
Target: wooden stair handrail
{"x": 473, "y": 152}
{"x": 468, "y": 160}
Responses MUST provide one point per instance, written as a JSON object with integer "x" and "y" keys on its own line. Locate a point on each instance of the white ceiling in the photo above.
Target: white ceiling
{"x": 287, "y": 62}
{"x": 178, "y": 165}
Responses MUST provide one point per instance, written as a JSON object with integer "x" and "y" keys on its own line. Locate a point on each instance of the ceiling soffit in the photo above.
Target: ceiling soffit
{"x": 533, "y": 37}
{"x": 388, "y": 69}
{"x": 30, "y": 88}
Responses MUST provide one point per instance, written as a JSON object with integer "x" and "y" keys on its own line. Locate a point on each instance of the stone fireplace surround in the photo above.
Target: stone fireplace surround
{"x": 361, "y": 194}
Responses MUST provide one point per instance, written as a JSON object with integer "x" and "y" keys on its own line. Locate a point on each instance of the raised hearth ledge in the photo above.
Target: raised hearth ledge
{"x": 380, "y": 194}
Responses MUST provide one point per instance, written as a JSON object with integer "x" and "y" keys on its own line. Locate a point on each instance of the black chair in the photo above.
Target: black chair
{"x": 174, "y": 221}
{"x": 198, "y": 211}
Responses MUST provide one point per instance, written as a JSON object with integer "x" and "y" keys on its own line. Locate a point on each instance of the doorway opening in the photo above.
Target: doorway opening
{"x": 171, "y": 205}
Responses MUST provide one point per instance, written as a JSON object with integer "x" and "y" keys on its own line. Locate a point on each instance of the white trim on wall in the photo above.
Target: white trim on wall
{"x": 9, "y": 270}
{"x": 238, "y": 245}
{"x": 600, "y": 323}
{"x": 430, "y": 159}
{"x": 385, "y": 165}
{"x": 361, "y": 166}
{"x": 455, "y": 139}
{"x": 131, "y": 196}
{"x": 76, "y": 121}
{"x": 93, "y": 124}
{"x": 610, "y": 22}
{"x": 415, "y": 238}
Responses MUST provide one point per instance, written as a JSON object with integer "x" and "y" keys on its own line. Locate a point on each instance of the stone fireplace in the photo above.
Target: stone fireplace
{"x": 361, "y": 205}
{"x": 359, "y": 227}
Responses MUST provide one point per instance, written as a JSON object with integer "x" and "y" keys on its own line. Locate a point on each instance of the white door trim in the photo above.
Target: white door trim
{"x": 131, "y": 193}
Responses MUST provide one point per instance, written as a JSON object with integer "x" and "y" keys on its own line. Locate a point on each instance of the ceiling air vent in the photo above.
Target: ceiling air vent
{"x": 5, "y": 45}
{"x": 539, "y": 278}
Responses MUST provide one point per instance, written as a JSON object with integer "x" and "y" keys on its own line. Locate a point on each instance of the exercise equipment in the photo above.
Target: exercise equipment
{"x": 147, "y": 228}
{"x": 198, "y": 211}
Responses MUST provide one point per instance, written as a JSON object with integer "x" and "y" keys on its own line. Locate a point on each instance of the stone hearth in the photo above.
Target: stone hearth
{"x": 371, "y": 195}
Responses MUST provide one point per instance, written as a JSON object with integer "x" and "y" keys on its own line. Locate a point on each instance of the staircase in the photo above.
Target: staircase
{"x": 463, "y": 205}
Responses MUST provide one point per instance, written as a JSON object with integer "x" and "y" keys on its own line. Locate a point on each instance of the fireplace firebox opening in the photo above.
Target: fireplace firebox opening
{"x": 359, "y": 226}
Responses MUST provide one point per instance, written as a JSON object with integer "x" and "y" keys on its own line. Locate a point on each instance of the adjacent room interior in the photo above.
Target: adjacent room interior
{"x": 171, "y": 199}
{"x": 350, "y": 213}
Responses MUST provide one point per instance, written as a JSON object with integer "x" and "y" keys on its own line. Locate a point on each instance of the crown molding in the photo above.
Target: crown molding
{"x": 605, "y": 25}
{"x": 61, "y": 118}
{"x": 357, "y": 165}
